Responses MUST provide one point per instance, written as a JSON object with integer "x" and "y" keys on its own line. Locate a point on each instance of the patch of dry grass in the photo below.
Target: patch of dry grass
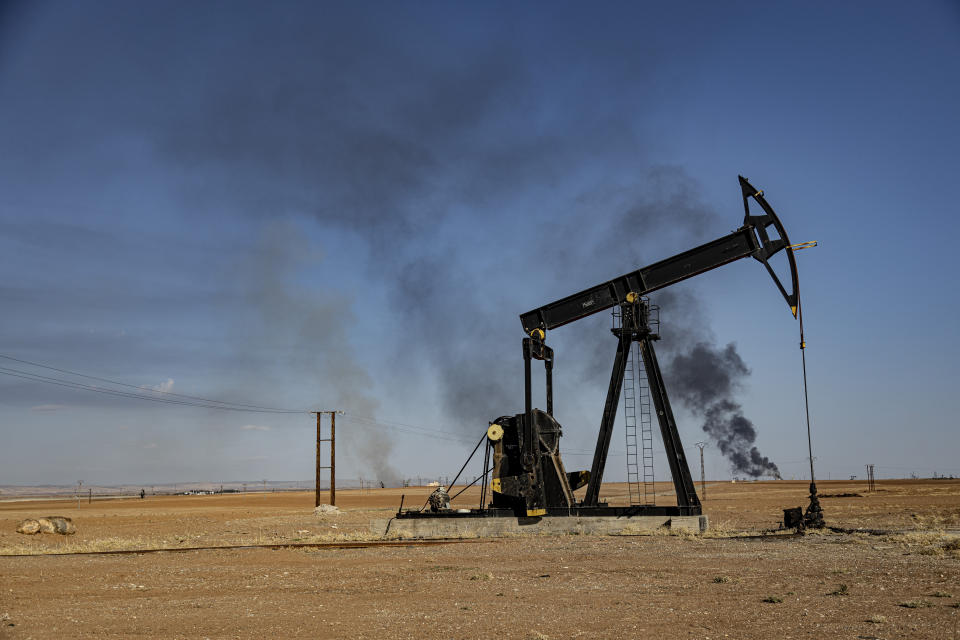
{"x": 927, "y": 543}
{"x": 80, "y": 546}
{"x": 347, "y": 536}
{"x": 723, "y": 529}
{"x": 930, "y": 522}
{"x": 148, "y": 544}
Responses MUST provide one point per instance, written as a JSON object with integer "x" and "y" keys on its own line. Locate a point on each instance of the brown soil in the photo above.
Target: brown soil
{"x": 556, "y": 587}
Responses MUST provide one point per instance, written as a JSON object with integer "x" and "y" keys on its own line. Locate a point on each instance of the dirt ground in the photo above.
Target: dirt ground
{"x": 902, "y": 583}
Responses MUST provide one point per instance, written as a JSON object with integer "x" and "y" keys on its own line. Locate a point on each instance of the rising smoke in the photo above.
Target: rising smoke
{"x": 305, "y": 333}
{"x": 400, "y": 156}
{"x": 704, "y": 379}
{"x": 480, "y": 172}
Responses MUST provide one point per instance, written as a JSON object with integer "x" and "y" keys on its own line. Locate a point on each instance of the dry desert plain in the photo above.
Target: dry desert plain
{"x": 904, "y": 583}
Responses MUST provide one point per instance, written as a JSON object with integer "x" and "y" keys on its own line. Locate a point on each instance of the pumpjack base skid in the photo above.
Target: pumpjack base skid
{"x": 599, "y": 511}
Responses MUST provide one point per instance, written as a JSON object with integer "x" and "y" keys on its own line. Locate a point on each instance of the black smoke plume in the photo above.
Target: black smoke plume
{"x": 703, "y": 378}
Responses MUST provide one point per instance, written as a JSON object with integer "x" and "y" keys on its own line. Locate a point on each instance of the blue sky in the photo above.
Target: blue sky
{"x": 313, "y": 205}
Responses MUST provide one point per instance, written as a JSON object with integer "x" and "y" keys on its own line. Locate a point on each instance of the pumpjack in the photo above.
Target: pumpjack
{"x": 529, "y": 478}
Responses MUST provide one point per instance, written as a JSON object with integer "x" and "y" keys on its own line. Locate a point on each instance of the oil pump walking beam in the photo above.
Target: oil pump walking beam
{"x": 750, "y": 240}
{"x": 742, "y": 243}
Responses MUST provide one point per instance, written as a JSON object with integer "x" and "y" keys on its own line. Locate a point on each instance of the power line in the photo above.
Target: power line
{"x": 70, "y": 384}
{"x": 182, "y": 399}
{"x": 141, "y": 388}
{"x": 409, "y": 428}
{"x": 33, "y": 377}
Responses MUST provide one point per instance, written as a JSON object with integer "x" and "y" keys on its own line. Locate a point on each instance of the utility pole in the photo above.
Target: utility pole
{"x": 871, "y": 486}
{"x": 79, "y": 485}
{"x": 333, "y": 457}
{"x": 317, "y": 485}
{"x": 703, "y": 476}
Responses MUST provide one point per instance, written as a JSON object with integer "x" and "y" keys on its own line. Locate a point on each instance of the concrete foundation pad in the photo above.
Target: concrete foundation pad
{"x": 494, "y": 527}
